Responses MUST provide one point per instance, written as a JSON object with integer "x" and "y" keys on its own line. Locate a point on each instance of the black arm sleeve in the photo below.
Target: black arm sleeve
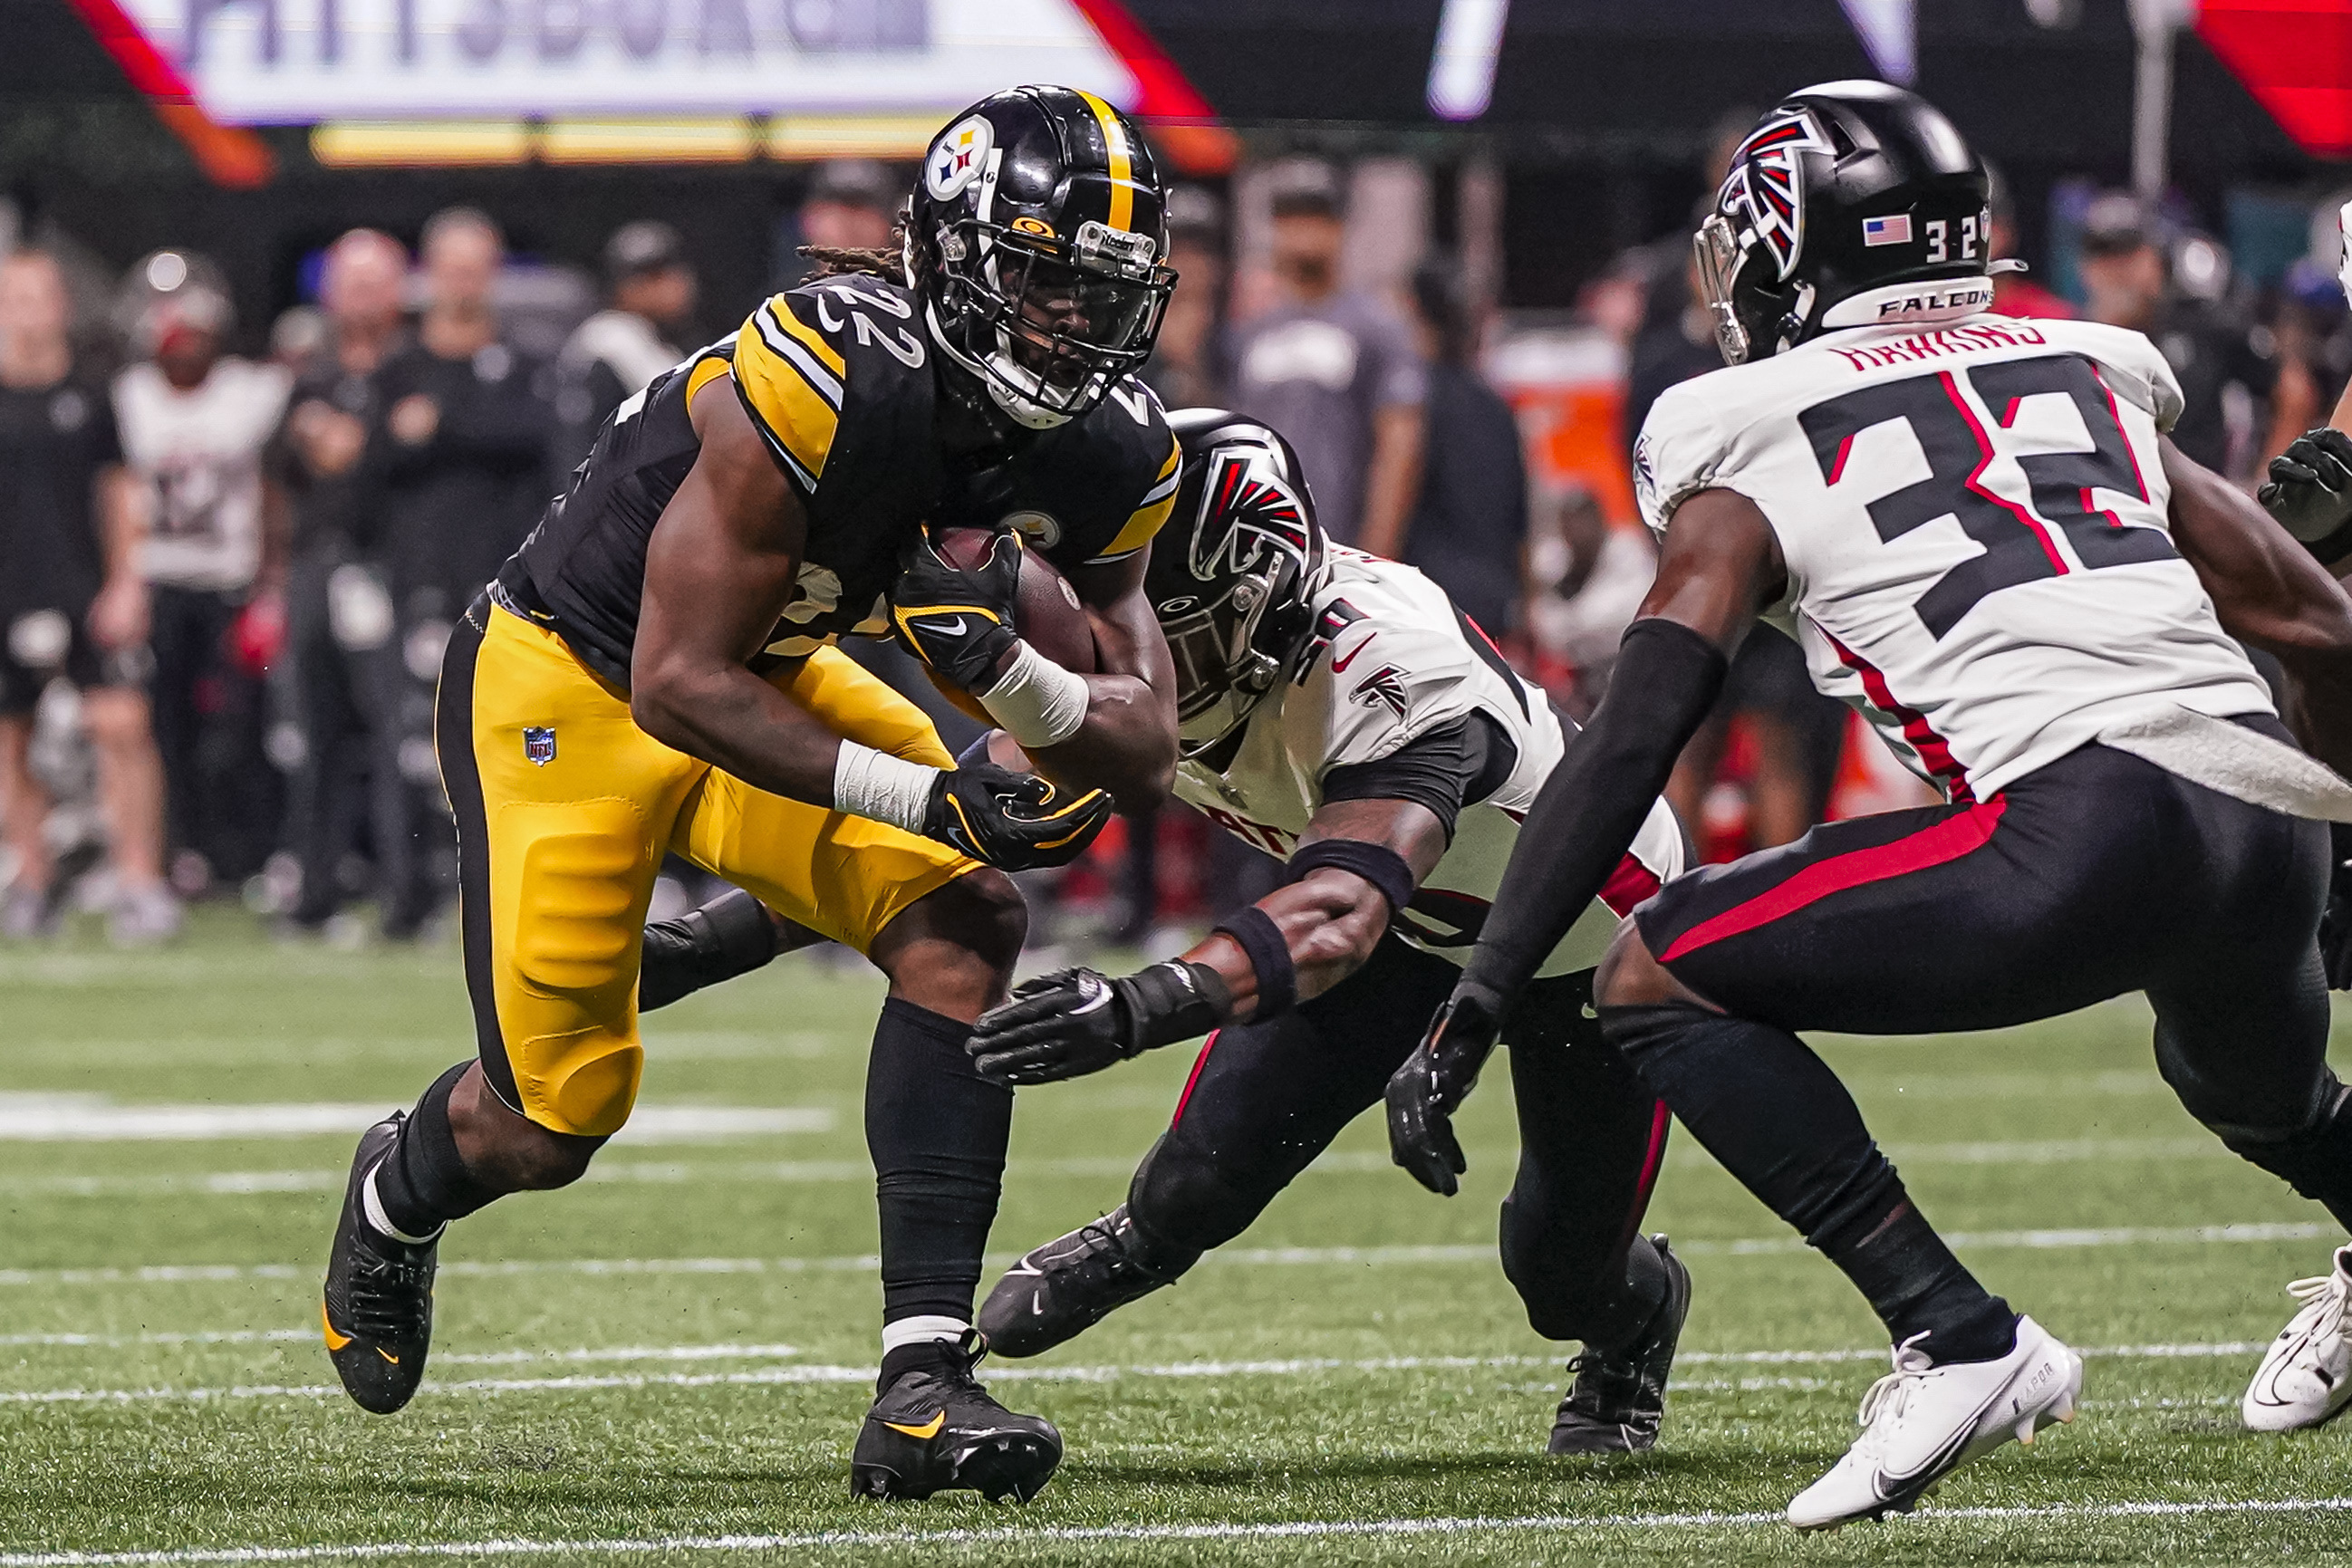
{"x": 1595, "y": 801}
{"x": 1453, "y": 766}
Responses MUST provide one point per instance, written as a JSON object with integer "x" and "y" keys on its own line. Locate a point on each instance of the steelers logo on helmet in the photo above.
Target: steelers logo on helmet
{"x": 957, "y": 156}
{"x": 1768, "y": 182}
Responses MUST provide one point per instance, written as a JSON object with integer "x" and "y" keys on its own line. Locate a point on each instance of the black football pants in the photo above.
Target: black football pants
{"x": 1266, "y": 1099}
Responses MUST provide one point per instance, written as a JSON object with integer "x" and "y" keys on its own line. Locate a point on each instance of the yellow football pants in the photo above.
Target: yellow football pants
{"x": 565, "y": 810}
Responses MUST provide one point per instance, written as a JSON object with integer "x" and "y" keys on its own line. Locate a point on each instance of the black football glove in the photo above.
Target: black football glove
{"x": 2336, "y": 925}
{"x": 1076, "y": 1021}
{"x": 959, "y": 623}
{"x": 1435, "y": 1078}
{"x": 1016, "y": 822}
{"x": 2310, "y": 487}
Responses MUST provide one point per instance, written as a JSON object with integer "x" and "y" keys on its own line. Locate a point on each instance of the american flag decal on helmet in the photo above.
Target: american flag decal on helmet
{"x": 1765, "y": 191}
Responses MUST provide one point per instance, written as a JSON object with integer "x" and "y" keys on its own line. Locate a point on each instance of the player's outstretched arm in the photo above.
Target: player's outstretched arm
{"x": 1359, "y": 860}
{"x": 2270, "y": 590}
{"x": 1719, "y": 566}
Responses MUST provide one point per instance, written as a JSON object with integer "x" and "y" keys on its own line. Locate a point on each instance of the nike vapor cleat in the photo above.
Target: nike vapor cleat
{"x": 934, "y": 1428}
{"x": 2305, "y": 1377}
{"x": 1073, "y": 1282}
{"x": 1617, "y": 1401}
{"x": 378, "y": 1308}
{"x": 1921, "y": 1422}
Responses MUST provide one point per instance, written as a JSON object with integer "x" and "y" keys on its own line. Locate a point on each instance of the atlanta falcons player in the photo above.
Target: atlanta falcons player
{"x": 1975, "y": 528}
{"x": 1337, "y": 711}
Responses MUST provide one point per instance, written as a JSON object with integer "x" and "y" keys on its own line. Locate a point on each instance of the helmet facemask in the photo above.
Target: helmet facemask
{"x": 1048, "y": 327}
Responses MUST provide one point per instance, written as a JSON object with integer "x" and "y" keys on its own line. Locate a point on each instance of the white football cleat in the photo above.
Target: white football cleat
{"x": 1921, "y": 1422}
{"x": 2305, "y": 1377}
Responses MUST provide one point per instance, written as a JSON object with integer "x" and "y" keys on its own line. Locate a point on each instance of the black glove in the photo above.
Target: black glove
{"x": 959, "y": 623}
{"x": 1016, "y": 822}
{"x": 2336, "y": 925}
{"x": 1434, "y": 1080}
{"x": 1076, "y": 1021}
{"x": 2310, "y": 487}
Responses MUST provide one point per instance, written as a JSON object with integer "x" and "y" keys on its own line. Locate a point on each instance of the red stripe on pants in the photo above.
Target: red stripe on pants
{"x": 1199, "y": 1061}
{"x": 1948, "y": 840}
{"x": 1660, "y": 1120}
{"x": 1629, "y": 883}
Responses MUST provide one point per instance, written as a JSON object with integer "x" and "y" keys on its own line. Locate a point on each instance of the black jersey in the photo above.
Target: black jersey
{"x": 54, "y": 441}
{"x": 838, "y": 377}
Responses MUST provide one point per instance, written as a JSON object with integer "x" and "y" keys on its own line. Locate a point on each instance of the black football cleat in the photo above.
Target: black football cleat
{"x": 1073, "y": 1282}
{"x": 934, "y": 1428}
{"x": 378, "y": 1308}
{"x": 1617, "y": 1401}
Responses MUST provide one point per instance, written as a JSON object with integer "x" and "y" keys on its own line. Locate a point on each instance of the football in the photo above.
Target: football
{"x": 1045, "y": 610}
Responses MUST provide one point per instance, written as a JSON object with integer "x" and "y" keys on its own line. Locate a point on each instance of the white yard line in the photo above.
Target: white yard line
{"x": 1243, "y": 1257}
{"x": 1283, "y": 1530}
{"x": 97, "y": 1118}
{"x": 827, "y": 1372}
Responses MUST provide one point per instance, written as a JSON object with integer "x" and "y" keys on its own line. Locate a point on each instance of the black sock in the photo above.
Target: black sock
{"x": 937, "y": 1131}
{"x": 1776, "y": 1118}
{"x": 728, "y": 936}
{"x": 424, "y": 1182}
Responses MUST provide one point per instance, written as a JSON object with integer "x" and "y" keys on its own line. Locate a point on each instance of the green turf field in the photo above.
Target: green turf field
{"x": 671, "y": 1358}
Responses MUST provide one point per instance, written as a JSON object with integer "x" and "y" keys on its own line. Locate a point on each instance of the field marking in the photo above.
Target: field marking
{"x": 1282, "y": 1529}
{"x": 99, "y": 1118}
{"x": 225, "y": 1051}
{"x": 1242, "y": 1257}
{"x": 832, "y": 1373}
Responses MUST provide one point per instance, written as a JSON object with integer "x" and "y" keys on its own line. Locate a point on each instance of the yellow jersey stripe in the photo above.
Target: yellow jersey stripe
{"x": 1157, "y": 502}
{"x": 826, "y": 353}
{"x": 704, "y": 371}
{"x": 797, "y": 415}
{"x": 1122, "y": 163}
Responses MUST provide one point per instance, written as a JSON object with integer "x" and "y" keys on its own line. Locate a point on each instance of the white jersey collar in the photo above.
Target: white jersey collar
{"x": 1929, "y": 304}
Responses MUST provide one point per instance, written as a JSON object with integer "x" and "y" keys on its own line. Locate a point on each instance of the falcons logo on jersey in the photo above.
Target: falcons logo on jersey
{"x": 1261, "y": 512}
{"x": 1383, "y": 686}
{"x": 1765, "y": 191}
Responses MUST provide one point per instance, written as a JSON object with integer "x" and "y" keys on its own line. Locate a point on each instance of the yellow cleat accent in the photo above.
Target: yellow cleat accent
{"x": 334, "y": 1340}
{"x": 929, "y": 1428}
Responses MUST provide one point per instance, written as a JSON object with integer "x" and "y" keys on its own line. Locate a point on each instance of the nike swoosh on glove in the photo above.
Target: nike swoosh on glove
{"x": 1423, "y": 1094}
{"x": 1076, "y": 1021}
{"x": 1016, "y": 822}
{"x": 959, "y": 623}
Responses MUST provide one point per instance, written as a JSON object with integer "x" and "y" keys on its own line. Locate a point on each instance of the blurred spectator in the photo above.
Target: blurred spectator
{"x": 2016, "y": 293}
{"x": 1469, "y": 523}
{"x": 1675, "y": 343}
{"x": 650, "y": 293}
{"x": 2211, "y": 343}
{"x": 458, "y": 466}
{"x": 73, "y": 606}
{"x": 1335, "y": 371}
{"x": 1184, "y": 367}
{"x": 2314, "y": 352}
{"x": 194, "y": 422}
{"x": 851, "y": 204}
{"x": 341, "y": 683}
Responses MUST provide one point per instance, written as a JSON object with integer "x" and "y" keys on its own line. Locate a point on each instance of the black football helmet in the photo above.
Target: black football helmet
{"x": 1233, "y": 570}
{"x": 1036, "y": 236}
{"x": 1841, "y": 189}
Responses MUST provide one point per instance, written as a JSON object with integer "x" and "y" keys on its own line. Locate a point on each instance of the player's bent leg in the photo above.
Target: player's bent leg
{"x": 1591, "y": 1139}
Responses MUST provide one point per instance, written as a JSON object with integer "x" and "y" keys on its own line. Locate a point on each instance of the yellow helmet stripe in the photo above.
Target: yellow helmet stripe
{"x": 1122, "y": 163}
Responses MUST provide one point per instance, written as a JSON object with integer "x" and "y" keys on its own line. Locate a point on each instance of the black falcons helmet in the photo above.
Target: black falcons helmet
{"x": 1036, "y": 236}
{"x": 1842, "y": 189}
{"x": 1231, "y": 571}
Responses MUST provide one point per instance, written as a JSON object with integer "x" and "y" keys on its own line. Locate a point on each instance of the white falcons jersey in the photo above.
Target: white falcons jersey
{"x": 1974, "y": 518}
{"x": 1391, "y": 660}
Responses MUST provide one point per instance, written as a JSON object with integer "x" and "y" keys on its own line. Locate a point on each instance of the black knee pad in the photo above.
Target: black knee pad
{"x": 1186, "y": 1202}
{"x": 2316, "y": 1159}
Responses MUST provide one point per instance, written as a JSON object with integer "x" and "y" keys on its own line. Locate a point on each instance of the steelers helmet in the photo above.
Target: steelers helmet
{"x": 1037, "y": 238}
{"x": 1840, "y": 190}
{"x": 1232, "y": 572}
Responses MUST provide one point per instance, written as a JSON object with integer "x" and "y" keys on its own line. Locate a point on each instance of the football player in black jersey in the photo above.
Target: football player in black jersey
{"x": 652, "y": 672}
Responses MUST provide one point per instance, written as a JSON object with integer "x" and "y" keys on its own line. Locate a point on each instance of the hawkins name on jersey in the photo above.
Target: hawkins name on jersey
{"x": 838, "y": 377}
{"x": 1974, "y": 517}
{"x": 1392, "y": 660}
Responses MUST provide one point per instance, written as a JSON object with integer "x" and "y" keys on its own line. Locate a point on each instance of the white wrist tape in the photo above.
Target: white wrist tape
{"x": 870, "y": 783}
{"x": 1037, "y": 701}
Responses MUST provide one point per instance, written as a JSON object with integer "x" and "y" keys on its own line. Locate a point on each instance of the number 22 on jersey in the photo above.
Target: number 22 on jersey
{"x": 2019, "y": 539}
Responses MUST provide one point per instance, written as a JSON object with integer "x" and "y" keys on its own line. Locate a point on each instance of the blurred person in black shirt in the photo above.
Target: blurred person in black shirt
{"x": 72, "y": 604}
{"x": 2182, "y": 304}
{"x": 341, "y": 683}
{"x": 1470, "y": 521}
{"x": 650, "y": 290}
{"x": 1186, "y": 368}
{"x": 458, "y": 471}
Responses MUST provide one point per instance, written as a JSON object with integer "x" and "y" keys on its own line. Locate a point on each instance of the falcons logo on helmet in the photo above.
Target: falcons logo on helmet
{"x": 1765, "y": 190}
{"x": 1249, "y": 496}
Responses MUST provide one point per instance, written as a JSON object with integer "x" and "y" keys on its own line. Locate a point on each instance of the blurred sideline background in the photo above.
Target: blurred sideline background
{"x": 1442, "y": 243}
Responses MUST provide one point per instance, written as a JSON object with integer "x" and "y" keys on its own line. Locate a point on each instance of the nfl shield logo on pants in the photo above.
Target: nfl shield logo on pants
{"x": 538, "y": 745}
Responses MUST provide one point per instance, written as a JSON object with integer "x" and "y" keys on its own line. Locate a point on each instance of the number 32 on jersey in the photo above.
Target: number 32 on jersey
{"x": 2019, "y": 539}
